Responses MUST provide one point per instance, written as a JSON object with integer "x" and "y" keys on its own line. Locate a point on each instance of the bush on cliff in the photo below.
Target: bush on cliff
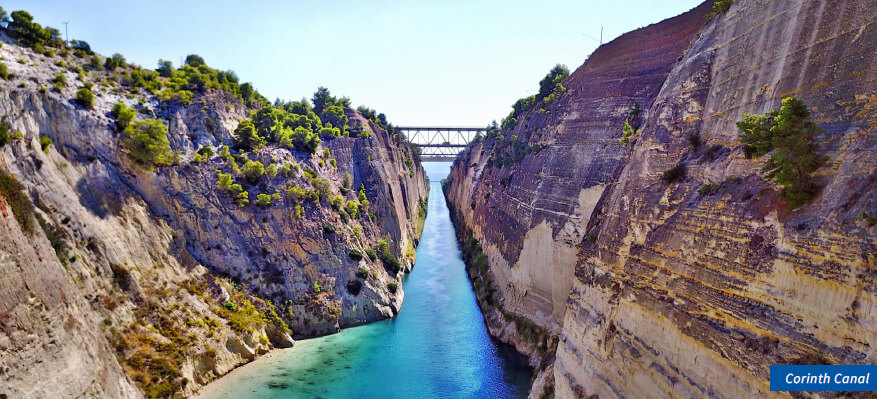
{"x": 252, "y": 171}
{"x": 14, "y": 194}
{"x": 246, "y": 136}
{"x": 85, "y": 98}
{"x": 147, "y": 143}
{"x": 124, "y": 115}
{"x": 788, "y": 135}
{"x": 626, "y": 133}
{"x": 674, "y": 173}
{"x": 390, "y": 261}
{"x": 226, "y": 182}
{"x": 719, "y": 7}
{"x": 263, "y": 201}
{"x": 115, "y": 61}
{"x": 550, "y": 87}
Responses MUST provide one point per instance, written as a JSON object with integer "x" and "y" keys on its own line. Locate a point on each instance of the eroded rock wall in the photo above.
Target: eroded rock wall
{"x": 141, "y": 282}
{"x": 694, "y": 294}
{"x": 530, "y": 217}
{"x": 681, "y": 291}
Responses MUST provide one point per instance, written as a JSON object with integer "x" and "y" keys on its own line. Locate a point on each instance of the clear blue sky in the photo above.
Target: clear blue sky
{"x": 420, "y": 62}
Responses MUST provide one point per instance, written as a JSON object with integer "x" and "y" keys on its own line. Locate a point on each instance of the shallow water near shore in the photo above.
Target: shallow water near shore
{"x": 437, "y": 347}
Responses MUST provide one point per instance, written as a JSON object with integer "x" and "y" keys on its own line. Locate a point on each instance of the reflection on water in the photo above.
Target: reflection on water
{"x": 437, "y": 347}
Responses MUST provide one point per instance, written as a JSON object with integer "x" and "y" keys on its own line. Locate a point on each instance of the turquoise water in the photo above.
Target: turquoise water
{"x": 437, "y": 347}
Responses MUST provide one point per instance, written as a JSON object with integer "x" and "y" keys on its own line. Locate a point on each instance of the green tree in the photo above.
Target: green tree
{"x": 626, "y": 133}
{"x": 194, "y": 60}
{"x": 165, "y": 68}
{"x": 321, "y": 98}
{"x": 124, "y": 115}
{"x": 116, "y": 61}
{"x": 788, "y": 135}
{"x": 246, "y": 136}
{"x": 147, "y": 143}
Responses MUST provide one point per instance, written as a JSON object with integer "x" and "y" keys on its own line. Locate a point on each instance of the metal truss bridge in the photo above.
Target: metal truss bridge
{"x": 440, "y": 143}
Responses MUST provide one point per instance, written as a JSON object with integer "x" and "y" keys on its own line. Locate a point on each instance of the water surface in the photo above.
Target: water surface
{"x": 437, "y": 347}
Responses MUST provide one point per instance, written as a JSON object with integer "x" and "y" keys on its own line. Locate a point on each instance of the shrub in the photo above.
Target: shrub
{"x": 674, "y": 173}
{"x": 789, "y": 136}
{"x": 362, "y": 272}
{"x": 205, "y": 151}
{"x": 296, "y": 194}
{"x": 271, "y": 170}
{"x": 59, "y": 82}
{"x": 252, "y": 171}
{"x": 246, "y": 136}
{"x": 371, "y": 254}
{"x": 4, "y": 71}
{"x": 123, "y": 114}
{"x": 22, "y": 207}
{"x": 626, "y": 132}
{"x": 263, "y": 201}
{"x": 85, "y": 98}
{"x": 323, "y": 188}
{"x": 4, "y": 133}
{"x": 722, "y": 6}
{"x": 383, "y": 245}
{"x": 337, "y": 202}
{"x": 708, "y": 188}
{"x": 226, "y": 182}
{"x": 147, "y": 143}
{"x": 354, "y": 287}
{"x": 328, "y": 229}
{"x": 346, "y": 180}
{"x": 352, "y": 209}
{"x": 45, "y": 143}
{"x": 287, "y": 170}
{"x": 355, "y": 255}
{"x": 117, "y": 60}
{"x": 392, "y": 287}
{"x": 693, "y": 139}
{"x": 390, "y": 261}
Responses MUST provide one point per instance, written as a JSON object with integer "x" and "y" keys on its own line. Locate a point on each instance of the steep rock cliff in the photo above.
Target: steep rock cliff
{"x": 681, "y": 291}
{"x": 120, "y": 281}
{"x": 530, "y": 216}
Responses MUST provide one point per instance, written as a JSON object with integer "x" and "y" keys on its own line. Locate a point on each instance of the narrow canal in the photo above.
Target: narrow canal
{"x": 437, "y": 347}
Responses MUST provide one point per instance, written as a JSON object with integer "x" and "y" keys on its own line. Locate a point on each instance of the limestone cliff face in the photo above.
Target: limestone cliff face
{"x": 529, "y": 217}
{"x": 113, "y": 274}
{"x": 683, "y": 292}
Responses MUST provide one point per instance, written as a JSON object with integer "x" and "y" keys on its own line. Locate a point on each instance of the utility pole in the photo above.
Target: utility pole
{"x": 601, "y": 36}
{"x": 66, "y": 37}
